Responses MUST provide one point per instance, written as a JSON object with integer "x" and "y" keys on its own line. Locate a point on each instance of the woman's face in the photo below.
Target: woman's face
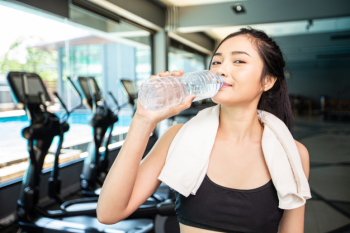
{"x": 239, "y": 63}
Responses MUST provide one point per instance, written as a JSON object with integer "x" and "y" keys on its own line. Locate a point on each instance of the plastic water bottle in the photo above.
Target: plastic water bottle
{"x": 164, "y": 92}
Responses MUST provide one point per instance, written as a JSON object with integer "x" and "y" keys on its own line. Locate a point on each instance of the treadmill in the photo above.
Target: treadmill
{"x": 30, "y": 93}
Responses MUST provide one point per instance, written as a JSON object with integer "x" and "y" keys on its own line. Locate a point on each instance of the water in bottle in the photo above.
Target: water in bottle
{"x": 164, "y": 92}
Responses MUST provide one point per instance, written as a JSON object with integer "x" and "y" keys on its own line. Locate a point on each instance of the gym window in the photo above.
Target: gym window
{"x": 85, "y": 45}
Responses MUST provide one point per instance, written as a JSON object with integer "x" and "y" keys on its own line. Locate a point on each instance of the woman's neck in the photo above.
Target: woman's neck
{"x": 240, "y": 125}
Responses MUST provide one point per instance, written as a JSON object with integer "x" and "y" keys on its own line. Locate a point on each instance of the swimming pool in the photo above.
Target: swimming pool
{"x": 13, "y": 146}
{"x": 74, "y": 118}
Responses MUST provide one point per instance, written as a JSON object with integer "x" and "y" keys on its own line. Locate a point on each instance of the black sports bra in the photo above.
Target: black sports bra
{"x": 223, "y": 209}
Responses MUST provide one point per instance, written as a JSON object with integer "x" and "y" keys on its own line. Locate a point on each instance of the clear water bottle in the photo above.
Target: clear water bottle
{"x": 164, "y": 92}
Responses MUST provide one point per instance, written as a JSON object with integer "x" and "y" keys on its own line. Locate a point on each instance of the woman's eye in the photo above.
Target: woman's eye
{"x": 216, "y": 63}
{"x": 238, "y": 61}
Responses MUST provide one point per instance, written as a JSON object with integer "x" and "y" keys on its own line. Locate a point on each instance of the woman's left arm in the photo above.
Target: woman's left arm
{"x": 293, "y": 220}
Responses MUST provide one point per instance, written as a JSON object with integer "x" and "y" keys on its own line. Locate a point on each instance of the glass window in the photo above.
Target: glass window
{"x": 86, "y": 45}
{"x": 182, "y": 57}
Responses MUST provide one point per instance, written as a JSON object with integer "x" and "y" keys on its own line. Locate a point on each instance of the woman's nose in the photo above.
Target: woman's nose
{"x": 221, "y": 71}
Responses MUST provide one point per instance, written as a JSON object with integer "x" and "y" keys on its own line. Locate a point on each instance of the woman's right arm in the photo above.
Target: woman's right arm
{"x": 130, "y": 181}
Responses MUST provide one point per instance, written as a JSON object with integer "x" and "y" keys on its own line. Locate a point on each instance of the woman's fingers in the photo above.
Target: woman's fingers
{"x": 173, "y": 73}
{"x": 164, "y": 74}
{"x": 189, "y": 100}
{"x": 184, "y": 105}
{"x": 177, "y": 72}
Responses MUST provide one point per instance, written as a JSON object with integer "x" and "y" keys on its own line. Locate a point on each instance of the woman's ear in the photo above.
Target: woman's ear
{"x": 269, "y": 82}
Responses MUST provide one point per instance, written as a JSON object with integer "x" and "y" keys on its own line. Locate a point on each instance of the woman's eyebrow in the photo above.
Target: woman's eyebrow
{"x": 239, "y": 52}
{"x": 232, "y": 53}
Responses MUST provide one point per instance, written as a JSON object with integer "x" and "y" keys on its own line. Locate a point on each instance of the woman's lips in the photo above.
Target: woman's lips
{"x": 226, "y": 85}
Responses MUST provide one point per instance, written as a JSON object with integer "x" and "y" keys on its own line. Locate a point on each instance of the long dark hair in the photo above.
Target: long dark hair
{"x": 276, "y": 99}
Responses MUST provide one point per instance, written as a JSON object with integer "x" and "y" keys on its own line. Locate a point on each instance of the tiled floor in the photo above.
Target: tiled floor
{"x": 329, "y": 147}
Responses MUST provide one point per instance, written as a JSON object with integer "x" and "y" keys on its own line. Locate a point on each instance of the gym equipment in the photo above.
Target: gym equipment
{"x": 131, "y": 90}
{"x": 29, "y": 92}
{"x": 93, "y": 172}
{"x": 96, "y": 164}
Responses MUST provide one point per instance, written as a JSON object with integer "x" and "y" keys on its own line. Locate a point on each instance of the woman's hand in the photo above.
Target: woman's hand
{"x": 157, "y": 116}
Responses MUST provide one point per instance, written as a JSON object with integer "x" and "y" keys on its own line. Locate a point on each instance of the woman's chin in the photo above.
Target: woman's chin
{"x": 223, "y": 101}
{"x": 220, "y": 99}
{"x": 214, "y": 100}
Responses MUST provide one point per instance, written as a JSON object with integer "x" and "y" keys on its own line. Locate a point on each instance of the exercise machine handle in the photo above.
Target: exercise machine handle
{"x": 93, "y": 95}
{"x": 116, "y": 102}
{"x": 66, "y": 114}
{"x": 25, "y": 90}
{"x": 43, "y": 100}
{"x": 80, "y": 97}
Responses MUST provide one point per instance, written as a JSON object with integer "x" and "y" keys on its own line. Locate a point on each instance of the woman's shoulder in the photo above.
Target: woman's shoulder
{"x": 174, "y": 129}
{"x": 304, "y": 156}
{"x": 300, "y": 146}
{"x": 169, "y": 135}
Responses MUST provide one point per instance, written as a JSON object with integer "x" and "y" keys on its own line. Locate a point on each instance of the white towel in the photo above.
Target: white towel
{"x": 188, "y": 157}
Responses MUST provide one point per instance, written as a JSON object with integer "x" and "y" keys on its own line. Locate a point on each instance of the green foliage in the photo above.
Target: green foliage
{"x": 40, "y": 61}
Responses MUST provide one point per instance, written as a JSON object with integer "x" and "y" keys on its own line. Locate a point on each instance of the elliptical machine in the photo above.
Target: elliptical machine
{"x": 96, "y": 163}
{"x": 29, "y": 91}
{"x": 131, "y": 90}
{"x": 132, "y": 94}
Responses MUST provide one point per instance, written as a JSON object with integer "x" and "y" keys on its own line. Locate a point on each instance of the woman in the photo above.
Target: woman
{"x": 251, "y": 65}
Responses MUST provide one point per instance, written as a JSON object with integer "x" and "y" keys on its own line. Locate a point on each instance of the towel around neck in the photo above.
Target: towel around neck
{"x": 188, "y": 157}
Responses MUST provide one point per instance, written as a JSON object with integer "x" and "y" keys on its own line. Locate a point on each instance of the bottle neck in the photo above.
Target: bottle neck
{"x": 221, "y": 80}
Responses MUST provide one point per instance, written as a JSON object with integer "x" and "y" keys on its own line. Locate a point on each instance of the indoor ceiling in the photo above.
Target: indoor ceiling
{"x": 180, "y": 3}
{"x": 305, "y": 30}
{"x": 275, "y": 28}
{"x": 289, "y": 28}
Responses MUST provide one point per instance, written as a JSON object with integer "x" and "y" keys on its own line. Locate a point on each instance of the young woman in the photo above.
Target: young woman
{"x": 251, "y": 65}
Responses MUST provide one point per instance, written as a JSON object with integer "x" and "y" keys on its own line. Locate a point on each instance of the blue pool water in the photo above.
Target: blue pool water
{"x": 75, "y": 118}
{"x": 13, "y": 145}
